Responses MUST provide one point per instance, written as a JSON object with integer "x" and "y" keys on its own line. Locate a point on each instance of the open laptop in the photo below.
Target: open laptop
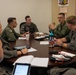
{"x": 21, "y": 69}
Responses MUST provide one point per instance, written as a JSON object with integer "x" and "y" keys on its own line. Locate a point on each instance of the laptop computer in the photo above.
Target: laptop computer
{"x": 21, "y": 69}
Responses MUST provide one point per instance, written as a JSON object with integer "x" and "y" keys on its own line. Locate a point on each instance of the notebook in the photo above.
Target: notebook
{"x": 21, "y": 69}
{"x": 34, "y": 61}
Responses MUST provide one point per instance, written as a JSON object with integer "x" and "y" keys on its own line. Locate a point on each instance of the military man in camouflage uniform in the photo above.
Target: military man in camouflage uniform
{"x": 8, "y": 53}
{"x": 61, "y": 30}
{"x": 70, "y": 40}
{"x": 28, "y": 26}
{"x": 9, "y": 33}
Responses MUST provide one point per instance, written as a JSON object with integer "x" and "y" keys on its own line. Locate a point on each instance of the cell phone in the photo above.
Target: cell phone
{"x": 52, "y": 59}
{"x": 53, "y": 52}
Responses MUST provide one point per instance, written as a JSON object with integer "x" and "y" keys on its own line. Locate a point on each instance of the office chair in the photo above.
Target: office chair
{"x": 21, "y": 26}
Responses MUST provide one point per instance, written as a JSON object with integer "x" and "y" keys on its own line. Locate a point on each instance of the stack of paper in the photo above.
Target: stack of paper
{"x": 31, "y": 50}
{"x": 67, "y": 54}
{"x": 58, "y": 56}
{"x": 40, "y": 33}
{"x": 22, "y": 38}
{"x": 44, "y": 42}
{"x": 39, "y": 37}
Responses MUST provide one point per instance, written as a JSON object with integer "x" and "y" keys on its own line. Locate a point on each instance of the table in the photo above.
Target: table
{"x": 42, "y": 50}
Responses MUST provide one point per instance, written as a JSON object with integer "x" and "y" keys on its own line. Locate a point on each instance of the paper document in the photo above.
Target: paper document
{"x": 40, "y": 33}
{"x": 44, "y": 42}
{"x": 24, "y": 59}
{"x": 22, "y": 38}
{"x": 58, "y": 56}
{"x": 42, "y": 62}
{"x": 39, "y": 37}
{"x": 31, "y": 50}
{"x": 67, "y": 54}
{"x": 34, "y": 61}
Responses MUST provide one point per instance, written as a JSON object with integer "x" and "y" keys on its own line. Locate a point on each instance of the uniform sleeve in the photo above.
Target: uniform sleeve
{"x": 10, "y": 53}
{"x": 10, "y": 35}
{"x": 67, "y": 38}
{"x": 63, "y": 32}
{"x": 16, "y": 34}
{"x": 72, "y": 44}
{"x": 36, "y": 29}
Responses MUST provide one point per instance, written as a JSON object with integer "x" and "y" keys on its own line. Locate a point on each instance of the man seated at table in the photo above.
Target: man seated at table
{"x": 70, "y": 40}
{"x": 9, "y": 33}
{"x": 3, "y": 71}
{"x": 62, "y": 71}
{"x": 61, "y": 30}
{"x": 8, "y": 53}
{"x": 28, "y": 26}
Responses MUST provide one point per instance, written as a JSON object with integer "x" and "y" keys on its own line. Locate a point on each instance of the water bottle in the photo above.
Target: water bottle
{"x": 51, "y": 39}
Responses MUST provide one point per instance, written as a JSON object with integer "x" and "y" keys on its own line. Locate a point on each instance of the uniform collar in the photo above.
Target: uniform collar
{"x": 10, "y": 27}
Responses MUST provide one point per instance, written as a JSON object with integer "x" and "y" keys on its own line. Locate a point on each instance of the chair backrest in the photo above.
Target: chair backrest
{"x": 21, "y": 25}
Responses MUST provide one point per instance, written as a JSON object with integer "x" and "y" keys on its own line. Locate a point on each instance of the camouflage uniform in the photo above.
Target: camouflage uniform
{"x": 61, "y": 30}
{"x": 71, "y": 38}
{"x": 62, "y": 71}
{"x": 25, "y": 28}
{"x": 3, "y": 71}
{"x": 9, "y": 34}
{"x": 8, "y": 53}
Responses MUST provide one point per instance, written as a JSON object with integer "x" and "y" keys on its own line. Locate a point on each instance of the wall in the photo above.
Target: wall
{"x": 71, "y": 9}
{"x": 39, "y": 10}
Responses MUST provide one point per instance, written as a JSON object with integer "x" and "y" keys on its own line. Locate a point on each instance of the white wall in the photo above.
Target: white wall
{"x": 39, "y": 10}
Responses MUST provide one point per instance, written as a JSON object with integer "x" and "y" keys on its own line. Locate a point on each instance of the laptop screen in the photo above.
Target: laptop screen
{"x": 21, "y": 69}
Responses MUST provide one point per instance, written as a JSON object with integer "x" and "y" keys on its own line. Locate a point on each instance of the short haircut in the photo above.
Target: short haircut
{"x": 71, "y": 20}
{"x": 27, "y": 17}
{"x": 11, "y": 19}
{"x": 62, "y": 14}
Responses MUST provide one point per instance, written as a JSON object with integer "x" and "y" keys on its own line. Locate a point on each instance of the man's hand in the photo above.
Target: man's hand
{"x": 24, "y": 51}
{"x": 59, "y": 42}
{"x": 22, "y": 35}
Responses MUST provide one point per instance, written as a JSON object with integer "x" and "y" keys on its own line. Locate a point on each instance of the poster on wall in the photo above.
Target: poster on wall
{"x": 63, "y": 10}
{"x": 63, "y": 2}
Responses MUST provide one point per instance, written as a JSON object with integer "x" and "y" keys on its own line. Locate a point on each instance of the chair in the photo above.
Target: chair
{"x": 21, "y": 26}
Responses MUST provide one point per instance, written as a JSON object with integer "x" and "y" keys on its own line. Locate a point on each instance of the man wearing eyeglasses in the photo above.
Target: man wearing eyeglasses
{"x": 61, "y": 30}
